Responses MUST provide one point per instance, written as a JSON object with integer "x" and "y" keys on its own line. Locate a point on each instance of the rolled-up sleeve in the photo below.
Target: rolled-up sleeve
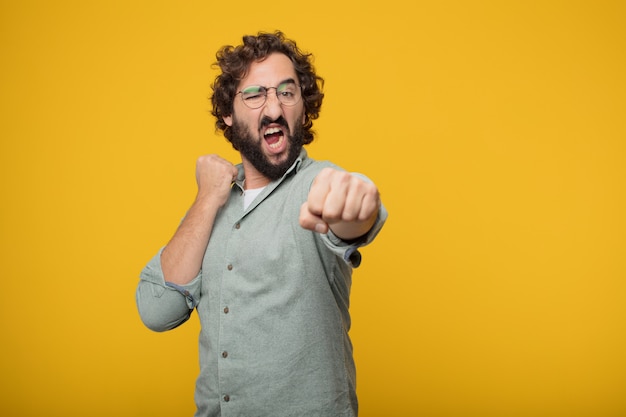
{"x": 162, "y": 305}
{"x": 350, "y": 251}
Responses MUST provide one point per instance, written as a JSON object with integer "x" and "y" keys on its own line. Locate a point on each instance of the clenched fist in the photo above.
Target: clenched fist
{"x": 214, "y": 176}
{"x": 342, "y": 202}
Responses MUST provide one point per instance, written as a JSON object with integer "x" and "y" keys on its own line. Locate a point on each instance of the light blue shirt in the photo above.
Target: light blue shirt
{"x": 273, "y": 302}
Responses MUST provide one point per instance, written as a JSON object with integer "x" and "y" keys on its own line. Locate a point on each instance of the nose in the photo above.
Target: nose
{"x": 272, "y": 107}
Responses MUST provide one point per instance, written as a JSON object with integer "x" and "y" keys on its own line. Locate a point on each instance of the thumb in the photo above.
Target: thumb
{"x": 311, "y": 221}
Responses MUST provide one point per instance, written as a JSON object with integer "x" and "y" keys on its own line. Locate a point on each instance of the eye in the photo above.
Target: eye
{"x": 253, "y": 93}
{"x": 287, "y": 89}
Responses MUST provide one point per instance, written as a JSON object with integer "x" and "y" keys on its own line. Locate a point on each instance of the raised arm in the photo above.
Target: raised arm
{"x": 181, "y": 259}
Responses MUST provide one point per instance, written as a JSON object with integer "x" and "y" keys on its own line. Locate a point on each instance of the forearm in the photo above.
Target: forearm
{"x": 181, "y": 259}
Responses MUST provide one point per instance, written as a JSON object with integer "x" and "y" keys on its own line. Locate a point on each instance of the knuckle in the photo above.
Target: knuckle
{"x": 343, "y": 176}
{"x": 332, "y": 213}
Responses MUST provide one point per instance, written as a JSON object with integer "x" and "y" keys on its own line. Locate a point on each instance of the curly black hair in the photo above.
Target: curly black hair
{"x": 234, "y": 63}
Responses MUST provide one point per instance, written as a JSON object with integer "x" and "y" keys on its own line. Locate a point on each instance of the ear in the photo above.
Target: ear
{"x": 228, "y": 120}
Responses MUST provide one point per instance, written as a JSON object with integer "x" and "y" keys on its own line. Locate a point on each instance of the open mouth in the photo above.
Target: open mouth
{"x": 274, "y": 137}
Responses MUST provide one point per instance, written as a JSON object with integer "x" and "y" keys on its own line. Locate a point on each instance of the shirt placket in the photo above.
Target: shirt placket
{"x": 229, "y": 304}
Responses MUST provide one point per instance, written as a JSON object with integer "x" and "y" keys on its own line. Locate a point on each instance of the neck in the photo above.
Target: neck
{"x": 253, "y": 178}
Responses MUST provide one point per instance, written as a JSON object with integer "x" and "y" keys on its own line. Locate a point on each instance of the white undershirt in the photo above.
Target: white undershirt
{"x": 250, "y": 195}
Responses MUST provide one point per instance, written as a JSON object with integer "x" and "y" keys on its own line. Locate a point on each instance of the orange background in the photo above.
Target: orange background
{"x": 495, "y": 131}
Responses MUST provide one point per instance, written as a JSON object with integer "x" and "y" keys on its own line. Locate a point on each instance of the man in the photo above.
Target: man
{"x": 266, "y": 251}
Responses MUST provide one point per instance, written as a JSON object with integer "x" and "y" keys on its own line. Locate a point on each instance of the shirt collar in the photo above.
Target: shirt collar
{"x": 294, "y": 168}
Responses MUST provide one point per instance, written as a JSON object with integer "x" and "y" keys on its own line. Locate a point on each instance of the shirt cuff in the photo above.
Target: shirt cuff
{"x": 154, "y": 274}
{"x": 184, "y": 290}
{"x": 349, "y": 250}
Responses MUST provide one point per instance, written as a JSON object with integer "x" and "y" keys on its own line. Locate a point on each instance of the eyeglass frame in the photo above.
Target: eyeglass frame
{"x": 267, "y": 89}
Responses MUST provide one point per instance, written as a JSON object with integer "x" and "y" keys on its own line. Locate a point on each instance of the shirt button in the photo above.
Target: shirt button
{"x": 224, "y": 354}
{"x": 226, "y": 310}
{"x": 230, "y": 267}
{"x": 226, "y": 398}
{"x": 237, "y": 226}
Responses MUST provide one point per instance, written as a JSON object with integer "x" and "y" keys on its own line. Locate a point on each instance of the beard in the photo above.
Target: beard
{"x": 250, "y": 147}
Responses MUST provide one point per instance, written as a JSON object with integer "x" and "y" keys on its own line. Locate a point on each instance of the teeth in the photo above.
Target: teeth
{"x": 272, "y": 130}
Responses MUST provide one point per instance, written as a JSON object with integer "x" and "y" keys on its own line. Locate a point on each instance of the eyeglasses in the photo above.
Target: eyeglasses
{"x": 288, "y": 93}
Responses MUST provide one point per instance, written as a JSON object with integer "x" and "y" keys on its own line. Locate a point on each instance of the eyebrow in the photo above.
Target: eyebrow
{"x": 286, "y": 81}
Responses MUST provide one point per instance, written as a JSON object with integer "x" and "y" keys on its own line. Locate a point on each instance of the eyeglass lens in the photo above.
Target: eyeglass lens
{"x": 254, "y": 96}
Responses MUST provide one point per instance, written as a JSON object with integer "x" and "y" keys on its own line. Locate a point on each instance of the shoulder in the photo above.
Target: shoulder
{"x": 309, "y": 168}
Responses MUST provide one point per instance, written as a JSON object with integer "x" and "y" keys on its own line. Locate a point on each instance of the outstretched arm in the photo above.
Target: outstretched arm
{"x": 341, "y": 202}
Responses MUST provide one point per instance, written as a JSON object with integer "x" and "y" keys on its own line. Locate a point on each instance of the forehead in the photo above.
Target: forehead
{"x": 270, "y": 72}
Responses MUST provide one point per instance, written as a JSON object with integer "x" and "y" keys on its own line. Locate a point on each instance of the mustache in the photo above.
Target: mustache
{"x": 265, "y": 121}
